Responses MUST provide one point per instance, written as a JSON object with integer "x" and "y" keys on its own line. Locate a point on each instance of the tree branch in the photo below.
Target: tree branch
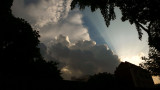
{"x": 145, "y": 29}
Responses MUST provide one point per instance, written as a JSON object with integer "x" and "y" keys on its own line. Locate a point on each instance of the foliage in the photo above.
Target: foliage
{"x": 143, "y": 13}
{"x": 104, "y": 79}
{"x": 19, "y": 52}
{"x": 152, "y": 63}
{"x": 106, "y": 7}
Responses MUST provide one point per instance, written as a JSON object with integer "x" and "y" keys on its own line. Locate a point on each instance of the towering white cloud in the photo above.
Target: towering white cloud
{"x": 43, "y": 11}
{"x": 52, "y": 18}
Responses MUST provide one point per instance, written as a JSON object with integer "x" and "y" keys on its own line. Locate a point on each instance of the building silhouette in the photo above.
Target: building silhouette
{"x": 130, "y": 75}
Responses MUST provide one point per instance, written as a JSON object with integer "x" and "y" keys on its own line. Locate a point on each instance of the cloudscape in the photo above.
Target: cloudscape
{"x": 79, "y": 40}
{"x": 64, "y": 37}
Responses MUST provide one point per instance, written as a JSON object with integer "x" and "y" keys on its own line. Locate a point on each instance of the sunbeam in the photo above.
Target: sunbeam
{"x": 121, "y": 37}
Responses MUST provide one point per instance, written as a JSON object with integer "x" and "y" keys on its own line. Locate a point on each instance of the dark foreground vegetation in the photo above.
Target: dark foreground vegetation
{"x": 44, "y": 83}
{"x": 21, "y": 64}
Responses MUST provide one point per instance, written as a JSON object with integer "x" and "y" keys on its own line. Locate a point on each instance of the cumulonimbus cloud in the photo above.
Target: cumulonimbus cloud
{"x": 52, "y": 18}
{"x": 41, "y": 12}
{"x": 82, "y": 57}
{"x": 72, "y": 48}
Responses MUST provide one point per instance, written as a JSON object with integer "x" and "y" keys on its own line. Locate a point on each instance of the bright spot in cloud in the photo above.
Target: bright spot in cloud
{"x": 66, "y": 70}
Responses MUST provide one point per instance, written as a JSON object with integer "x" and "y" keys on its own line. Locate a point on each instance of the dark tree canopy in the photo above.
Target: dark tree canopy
{"x": 103, "y": 80}
{"x": 18, "y": 40}
{"x": 144, "y": 14}
{"x": 19, "y": 52}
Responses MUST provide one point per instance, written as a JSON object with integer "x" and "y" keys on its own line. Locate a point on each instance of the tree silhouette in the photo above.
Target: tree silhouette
{"x": 19, "y": 52}
{"x": 102, "y": 80}
{"x": 152, "y": 63}
{"x": 144, "y": 14}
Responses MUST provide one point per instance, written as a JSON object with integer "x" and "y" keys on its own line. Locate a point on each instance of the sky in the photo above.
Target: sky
{"x": 80, "y": 40}
{"x": 120, "y": 36}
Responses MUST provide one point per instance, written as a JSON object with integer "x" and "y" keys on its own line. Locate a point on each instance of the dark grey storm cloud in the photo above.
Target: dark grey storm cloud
{"x": 81, "y": 58}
